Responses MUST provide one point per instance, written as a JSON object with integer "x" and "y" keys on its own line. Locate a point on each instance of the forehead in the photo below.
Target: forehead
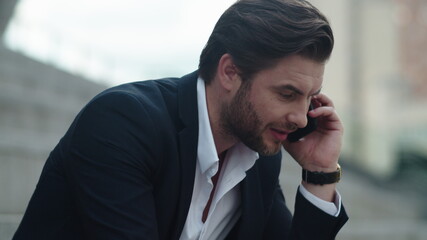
{"x": 297, "y": 70}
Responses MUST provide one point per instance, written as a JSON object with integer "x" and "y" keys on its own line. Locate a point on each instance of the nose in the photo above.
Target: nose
{"x": 298, "y": 117}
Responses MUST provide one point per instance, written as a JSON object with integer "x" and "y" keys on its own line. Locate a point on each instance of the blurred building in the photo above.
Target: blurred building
{"x": 412, "y": 31}
{"x": 37, "y": 104}
{"x": 378, "y": 78}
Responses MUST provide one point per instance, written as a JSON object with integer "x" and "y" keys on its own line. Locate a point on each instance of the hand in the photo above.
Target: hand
{"x": 319, "y": 150}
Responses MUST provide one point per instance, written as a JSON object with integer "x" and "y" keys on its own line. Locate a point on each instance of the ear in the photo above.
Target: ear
{"x": 227, "y": 73}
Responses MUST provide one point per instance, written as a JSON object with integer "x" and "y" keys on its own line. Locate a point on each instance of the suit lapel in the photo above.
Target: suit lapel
{"x": 252, "y": 213}
{"x": 188, "y": 141}
{"x": 252, "y": 216}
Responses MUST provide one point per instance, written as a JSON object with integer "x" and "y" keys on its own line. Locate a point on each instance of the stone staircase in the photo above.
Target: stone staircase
{"x": 37, "y": 104}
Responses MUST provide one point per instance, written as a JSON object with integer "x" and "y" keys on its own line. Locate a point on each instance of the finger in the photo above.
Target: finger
{"x": 328, "y": 118}
{"x": 323, "y": 100}
{"x": 325, "y": 111}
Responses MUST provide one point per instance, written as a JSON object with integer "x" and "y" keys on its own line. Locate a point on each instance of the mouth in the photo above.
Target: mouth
{"x": 279, "y": 134}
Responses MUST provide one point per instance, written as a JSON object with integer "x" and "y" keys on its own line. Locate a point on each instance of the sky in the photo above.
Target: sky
{"x": 115, "y": 41}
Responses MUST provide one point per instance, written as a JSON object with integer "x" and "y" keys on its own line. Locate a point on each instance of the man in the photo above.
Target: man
{"x": 199, "y": 157}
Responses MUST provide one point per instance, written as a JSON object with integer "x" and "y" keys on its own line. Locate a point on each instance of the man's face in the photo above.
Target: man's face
{"x": 273, "y": 104}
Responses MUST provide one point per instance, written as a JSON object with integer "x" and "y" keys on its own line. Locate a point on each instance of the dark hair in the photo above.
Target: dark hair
{"x": 258, "y": 33}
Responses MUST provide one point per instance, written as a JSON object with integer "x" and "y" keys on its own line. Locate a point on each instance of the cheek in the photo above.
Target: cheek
{"x": 267, "y": 115}
{"x": 262, "y": 103}
{"x": 268, "y": 109}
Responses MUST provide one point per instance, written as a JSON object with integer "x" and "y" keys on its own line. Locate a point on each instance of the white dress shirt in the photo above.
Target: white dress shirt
{"x": 225, "y": 206}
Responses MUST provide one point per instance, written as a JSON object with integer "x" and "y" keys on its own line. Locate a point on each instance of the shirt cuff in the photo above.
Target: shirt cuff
{"x": 331, "y": 208}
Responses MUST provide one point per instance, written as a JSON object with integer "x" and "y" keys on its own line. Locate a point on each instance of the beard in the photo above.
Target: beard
{"x": 240, "y": 120}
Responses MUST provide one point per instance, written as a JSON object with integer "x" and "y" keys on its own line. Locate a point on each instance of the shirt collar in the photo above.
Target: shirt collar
{"x": 206, "y": 150}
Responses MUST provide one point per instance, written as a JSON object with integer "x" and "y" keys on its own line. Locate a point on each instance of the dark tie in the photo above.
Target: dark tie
{"x": 214, "y": 181}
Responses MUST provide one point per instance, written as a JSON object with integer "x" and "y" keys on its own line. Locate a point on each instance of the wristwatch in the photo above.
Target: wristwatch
{"x": 321, "y": 178}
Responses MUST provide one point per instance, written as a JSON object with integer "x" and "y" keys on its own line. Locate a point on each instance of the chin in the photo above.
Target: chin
{"x": 270, "y": 149}
{"x": 264, "y": 146}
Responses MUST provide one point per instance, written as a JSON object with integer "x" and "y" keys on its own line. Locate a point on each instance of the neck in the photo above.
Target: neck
{"x": 215, "y": 98}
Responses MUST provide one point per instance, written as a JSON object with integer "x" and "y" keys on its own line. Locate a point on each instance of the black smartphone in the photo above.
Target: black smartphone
{"x": 302, "y": 132}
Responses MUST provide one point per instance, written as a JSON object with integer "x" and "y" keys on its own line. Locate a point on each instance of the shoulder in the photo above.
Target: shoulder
{"x": 125, "y": 120}
{"x": 137, "y": 106}
{"x": 144, "y": 92}
{"x": 149, "y": 99}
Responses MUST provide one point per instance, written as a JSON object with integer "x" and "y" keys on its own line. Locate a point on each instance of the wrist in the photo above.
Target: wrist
{"x": 325, "y": 192}
{"x": 326, "y": 168}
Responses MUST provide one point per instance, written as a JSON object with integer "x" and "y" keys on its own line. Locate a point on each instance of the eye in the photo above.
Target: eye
{"x": 287, "y": 96}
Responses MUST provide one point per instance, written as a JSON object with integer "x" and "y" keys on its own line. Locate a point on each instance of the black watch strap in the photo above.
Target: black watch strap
{"x": 321, "y": 178}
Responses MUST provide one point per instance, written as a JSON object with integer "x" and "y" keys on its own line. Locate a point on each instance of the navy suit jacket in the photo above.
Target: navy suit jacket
{"x": 125, "y": 170}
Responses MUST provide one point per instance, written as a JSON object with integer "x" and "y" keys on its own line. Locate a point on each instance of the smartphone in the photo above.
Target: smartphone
{"x": 302, "y": 132}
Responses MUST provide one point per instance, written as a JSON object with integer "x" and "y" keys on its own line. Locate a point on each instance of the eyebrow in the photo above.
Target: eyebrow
{"x": 289, "y": 87}
{"x": 296, "y": 90}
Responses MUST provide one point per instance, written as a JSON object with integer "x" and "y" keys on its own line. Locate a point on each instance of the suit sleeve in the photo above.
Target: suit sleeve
{"x": 310, "y": 222}
{"x": 307, "y": 223}
{"x": 110, "y": 166}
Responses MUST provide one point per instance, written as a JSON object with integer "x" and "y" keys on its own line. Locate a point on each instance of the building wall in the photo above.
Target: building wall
{"x": 378, "y": 75}
{"x": 377, "y": 78}
{"x": 412, "y": 28}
